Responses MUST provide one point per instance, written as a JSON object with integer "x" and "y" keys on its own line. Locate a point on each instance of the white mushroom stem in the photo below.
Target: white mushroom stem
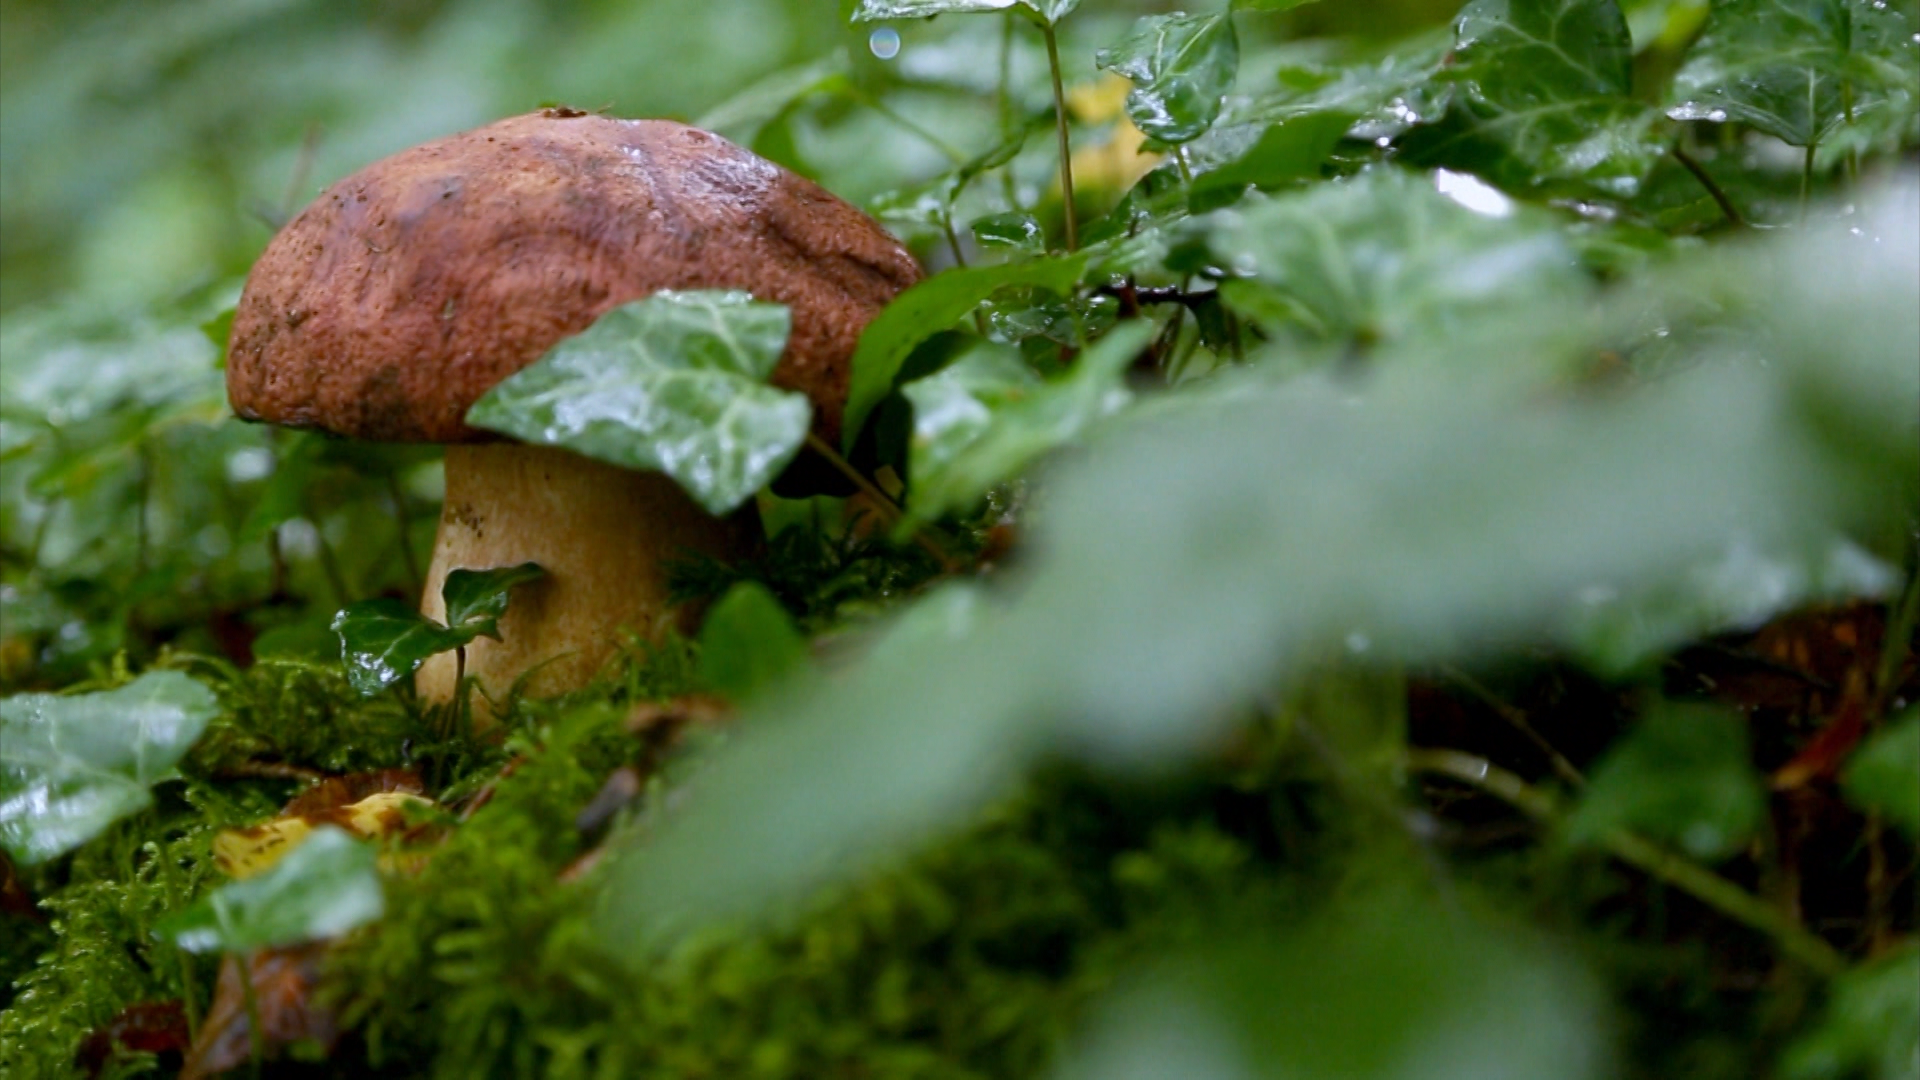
{"x": 604, "y": 535}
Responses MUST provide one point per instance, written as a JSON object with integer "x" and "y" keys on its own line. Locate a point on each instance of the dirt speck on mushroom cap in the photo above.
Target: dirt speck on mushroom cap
{"x": 407, "y": 290}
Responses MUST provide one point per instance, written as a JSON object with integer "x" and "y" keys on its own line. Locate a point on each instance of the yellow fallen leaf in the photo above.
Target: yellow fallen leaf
{"x": 242, "y": 853}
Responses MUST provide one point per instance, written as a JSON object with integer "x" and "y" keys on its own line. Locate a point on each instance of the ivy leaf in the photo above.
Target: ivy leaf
{"x": 1016, "y": 231}
{"x": 1285, "y": 151}
{"x": 72, "y": 765}
{"x": 1884, "y": 774}
{"x": 327, "y": 886}
{"x": 1684, "y": 777}
{"x": 675, "y": 382}
{"x": 1386, "y": 256}
{"x": 930, "y": 204}
{"x": 1045, "y": 12}
{"x": 1182, "y": 66}
{"x": 1541, "y": 97}
{"x": 479, "y": 597}
{"x": 984, "y": 418}
{"x": 749, "y": 643}
{"x": 928, "y": 308}
{"x": 1795, "y": 69}
{"x": 384, "y": 640}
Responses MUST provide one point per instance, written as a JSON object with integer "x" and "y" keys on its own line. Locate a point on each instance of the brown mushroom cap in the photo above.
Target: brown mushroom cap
{"x": 407, "y": 290}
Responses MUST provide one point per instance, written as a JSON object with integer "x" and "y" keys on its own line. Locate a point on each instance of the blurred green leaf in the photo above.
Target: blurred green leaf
{"x": 1043, "y": 11}
{"x": 1439, "y": 509}
{"x": 1870, "y": 1029}
{"x": 928, "y": 308}
{"x": 749, "y": 643}
{"x": 674, "y": 382}
{"x": 1270, "y": 5}
{"x": 1181, "y": 67}
{"x": 1800, "y": 69}
{"x": 1683, "y": 776}
{"x": 1884, "y": 774}
{"x": 72, "y": 765}
{"x": 326, "y": 886}
{"x": 1376, "y": 991}
{"x": 987, "y": 416}
{"x": 1541, "y": 97}
{"x": 1385, "y": 256}
{"x": 1015, "y": 231}
{"x": 742, "y": 116}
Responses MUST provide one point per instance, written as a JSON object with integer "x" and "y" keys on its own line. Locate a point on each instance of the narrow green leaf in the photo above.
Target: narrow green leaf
{"x": 479, "y": 597}
{"x": 328, "y": 885}
{"x": 928, "y": 308}
{"x": 749, "y": 643}
{"x": 72, "y": 765}
{"x": 675, "y": 382}
{"x": 1015, "y": 230}
{"x": 1884, "y": 774}
{"x": 385, "y": 640}
{"x": 741, "y": 116}
{"x": 1181, "y": 67}
{"x": 1683, "y": 777}
{"x": 1541, "y": 97}
{"x": 1799, "y": 69}
{"x": 986, "y": 417}
{"x": 1047, "y": 12}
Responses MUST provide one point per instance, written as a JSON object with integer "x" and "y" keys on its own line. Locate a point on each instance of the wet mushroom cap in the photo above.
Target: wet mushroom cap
{"x": 407, "y": 290}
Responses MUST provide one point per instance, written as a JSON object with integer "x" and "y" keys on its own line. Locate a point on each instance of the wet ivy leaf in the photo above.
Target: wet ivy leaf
{"x": 1867, "y": 1029}
{"x": 72, "y": 765}
{"x": 1270, "y": 5}
{"x": 1796, "y": 69}
{"x": 1540, "y": 98}
{"x": 1047, "y": 12}
{"x": 930, "y": 204}
{"x": 478, "y": 598}
{"x": 675, "y": 382}
{"x": 1386, "y": 256}
{"x": 1683, "y": 777}
{"x": 327, "y": 886}
{"x": 1884, "y": 774}
{"x": 1284, "y": 152}
{"x": 987, "y": 416}
{"x": 384, "y": 640}
{"x": 1015, "y": 230}
{"x": 1181, "y": 66}
{"x": 928, "y": 308}
{"x": 749, "y": 643}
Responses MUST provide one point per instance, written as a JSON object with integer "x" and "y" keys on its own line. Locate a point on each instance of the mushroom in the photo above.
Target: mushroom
{"x": 407, "y": 290}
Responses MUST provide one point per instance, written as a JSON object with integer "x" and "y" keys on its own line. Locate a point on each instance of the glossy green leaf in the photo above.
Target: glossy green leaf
{"x": 1285, "y": 151}
{"x": 1683, "y": 777}
{"x": 326, "y": 886}
{"x": 1884, "y": 774}
{"x": 1181, "y": 67}
{"x": 384, "y": 640}
{"x": 1386, "y": 256}
{"x": 1868, "y": 1029}
{"x": 928, "y": 308}
{"x": 1541, "y": 97}
{"x": 72, "y": 765}
{"x": 675, "y": 382}
{"x": 1797, "y": 69}
{"x": 1270, "y": 5}
{"x": 749, "y": 643}
{"x": 479, "y": 597}
{"x": 986, "y": 417}
{"x": 1015, "y": 230}
{"x": 1377, "y": 990}
{"x": 1042, "y": 11}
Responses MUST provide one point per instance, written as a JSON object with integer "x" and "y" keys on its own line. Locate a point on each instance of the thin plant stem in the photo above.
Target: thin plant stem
{"x": 1066, "y": 144}
{"x": 1794, "y": 940}
{"x": 953, "y": 240}
{"x": 882, "y": 502}
{"x": 1898, "y": 637}
{"x": 1517, "y": 720}
{"x": 405, "y": 524}
{"x": 1009, "y": 187}
{"x": 1713, "y": 188}
{"x": 1186, "y": 167}
{"x": 189, "y": 1005}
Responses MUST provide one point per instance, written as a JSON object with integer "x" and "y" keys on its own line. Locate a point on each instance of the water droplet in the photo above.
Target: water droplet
{"x": 1358, "y": 642}
{"x": 1473, "y": 193}
{"x": 1718, "y": 116}
{"x": 251, "y": 463}
{"x": 885, "y": 43}
{"x": 1383, "y": 142}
